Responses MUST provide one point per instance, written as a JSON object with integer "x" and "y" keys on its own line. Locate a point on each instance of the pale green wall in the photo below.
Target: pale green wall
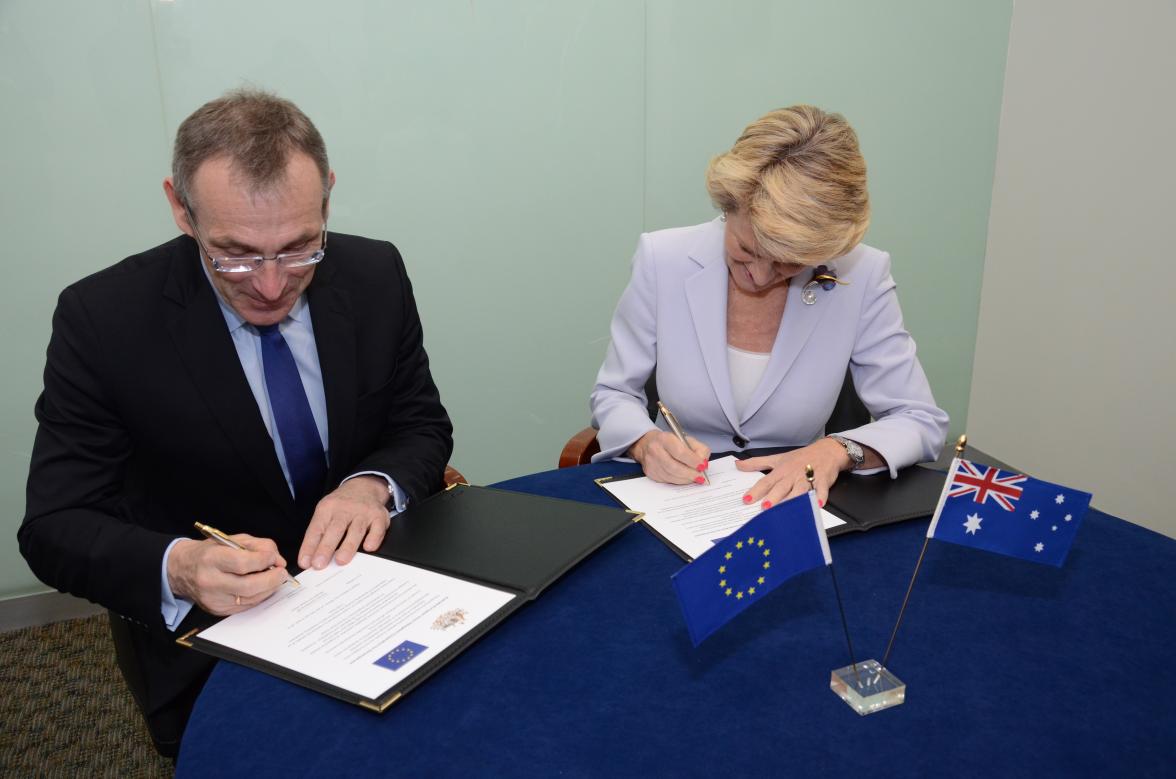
{"x": 512, "y": 150}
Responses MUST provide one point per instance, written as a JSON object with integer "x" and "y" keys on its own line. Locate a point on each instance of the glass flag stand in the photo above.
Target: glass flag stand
{"x": 869, "y": 688}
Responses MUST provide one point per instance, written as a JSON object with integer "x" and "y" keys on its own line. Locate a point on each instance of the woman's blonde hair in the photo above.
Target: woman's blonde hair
{"x": 798, "y": 176}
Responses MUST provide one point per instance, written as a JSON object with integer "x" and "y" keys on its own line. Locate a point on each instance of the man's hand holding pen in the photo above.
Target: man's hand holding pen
{"x": 224, "y": 580}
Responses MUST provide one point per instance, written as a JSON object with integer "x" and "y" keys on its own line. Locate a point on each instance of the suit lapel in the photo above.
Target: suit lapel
{"x": 334, "y": 337}
{"x": 706, "y": 295}
{"x": 796, "y": 327}
{"x": 197, "y": 328}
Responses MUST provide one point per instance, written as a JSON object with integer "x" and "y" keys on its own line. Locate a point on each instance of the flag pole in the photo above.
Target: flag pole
{"x": 845, "y": 626}
{"x": 959, "y": 452}
{"x": 808, "y": 474}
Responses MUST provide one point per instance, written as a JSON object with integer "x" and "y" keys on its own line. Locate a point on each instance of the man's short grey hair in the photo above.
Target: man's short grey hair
{"x": 256, "y": 130}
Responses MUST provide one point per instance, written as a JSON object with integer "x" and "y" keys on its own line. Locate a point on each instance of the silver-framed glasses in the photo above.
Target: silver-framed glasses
{"x": 250, "y": 262}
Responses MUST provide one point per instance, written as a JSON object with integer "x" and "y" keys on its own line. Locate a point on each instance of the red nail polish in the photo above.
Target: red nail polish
{"x": 767, "y": 504}
{"x": 747, "y": 499}
{"x": 822, "y": 504}
{"x": 699, "y": 480}
{"x": 700, "y": 467}
{"x": 704, "y": 466}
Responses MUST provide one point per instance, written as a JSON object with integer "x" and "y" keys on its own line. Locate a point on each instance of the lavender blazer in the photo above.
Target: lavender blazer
{"x": 673, "y": 315}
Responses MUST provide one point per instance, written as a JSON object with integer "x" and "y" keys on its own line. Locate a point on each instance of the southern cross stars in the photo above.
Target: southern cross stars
{"x": 1034, "y": 514}
{"x": 1038, "y": 546}
{"x": 973, "y": 524}
{"x": 1060, "y": 499}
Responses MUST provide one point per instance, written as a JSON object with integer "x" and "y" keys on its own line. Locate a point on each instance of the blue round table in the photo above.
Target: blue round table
{"x": 1012, "y": 669}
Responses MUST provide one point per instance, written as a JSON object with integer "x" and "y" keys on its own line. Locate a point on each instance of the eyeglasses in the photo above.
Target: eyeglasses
{"x": 251, "y": 262}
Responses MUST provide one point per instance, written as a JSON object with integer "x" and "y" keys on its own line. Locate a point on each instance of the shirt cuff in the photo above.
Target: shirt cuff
{"x": 399, "y": 499}
{"x": 871, "y": 471}
{"x": 172, "y": 608}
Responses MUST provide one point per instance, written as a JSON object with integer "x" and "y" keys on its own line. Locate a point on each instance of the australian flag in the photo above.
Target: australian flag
{"x": 742, "y": 568}
{"x": 1008, "y": 513}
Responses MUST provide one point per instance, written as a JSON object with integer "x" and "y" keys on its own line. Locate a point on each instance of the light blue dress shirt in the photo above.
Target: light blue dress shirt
{"x": 298, "y": 330}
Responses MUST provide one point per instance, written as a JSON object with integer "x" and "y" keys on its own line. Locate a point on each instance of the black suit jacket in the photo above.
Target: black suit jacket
{"x": 147, "y": 423}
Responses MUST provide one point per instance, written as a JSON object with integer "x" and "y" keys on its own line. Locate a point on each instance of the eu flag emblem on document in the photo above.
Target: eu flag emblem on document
{"x": 400, "y": 655}
{"x": 742, "y": 568}
{"x": 1008, "y": 513}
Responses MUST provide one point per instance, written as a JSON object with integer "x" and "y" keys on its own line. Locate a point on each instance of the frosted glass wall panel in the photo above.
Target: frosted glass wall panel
{"x": 921, "y": 83}
{"x": 497, "y": 145}
{"x": 81, "y": 165}
{"x": 512, "y": 150}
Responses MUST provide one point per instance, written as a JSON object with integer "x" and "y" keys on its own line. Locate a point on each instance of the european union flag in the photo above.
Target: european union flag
{"x": 1008, "y": 513}
{"x": 400, "y": 655}
{"x": 741, "y": 569}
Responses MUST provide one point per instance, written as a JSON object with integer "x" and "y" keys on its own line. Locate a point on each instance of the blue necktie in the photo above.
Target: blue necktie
{"x": 300, "y": 437}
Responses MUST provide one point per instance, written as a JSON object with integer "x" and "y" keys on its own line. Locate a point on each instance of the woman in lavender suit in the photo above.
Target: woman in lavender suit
{"x": 752, "y": 318}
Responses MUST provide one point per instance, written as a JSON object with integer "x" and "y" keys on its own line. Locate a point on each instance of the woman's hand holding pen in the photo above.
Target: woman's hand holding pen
{"x": 222, "y": 580}
{"x": 664, "y": 458}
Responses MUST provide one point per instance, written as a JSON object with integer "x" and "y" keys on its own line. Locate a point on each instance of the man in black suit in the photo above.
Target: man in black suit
{"x": 256, "y": 373}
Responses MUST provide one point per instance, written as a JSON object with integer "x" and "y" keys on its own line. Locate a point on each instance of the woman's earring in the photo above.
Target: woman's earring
{"x": 723, "y": 217}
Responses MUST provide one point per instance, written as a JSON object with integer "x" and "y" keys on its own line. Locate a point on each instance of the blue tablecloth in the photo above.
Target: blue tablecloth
{"x": 1012, "y": 669}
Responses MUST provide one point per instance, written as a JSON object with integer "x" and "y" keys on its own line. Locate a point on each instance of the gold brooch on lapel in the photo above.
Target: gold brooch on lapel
{"x": 823, "y": 277}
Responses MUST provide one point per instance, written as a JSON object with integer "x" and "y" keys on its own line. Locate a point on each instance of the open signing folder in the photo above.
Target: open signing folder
{"x": 450, "y": 569}
{"x": 690, "y": 518}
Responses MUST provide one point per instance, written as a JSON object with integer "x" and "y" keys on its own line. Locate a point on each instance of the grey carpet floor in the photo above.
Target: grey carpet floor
{"x": 64, "y": 708}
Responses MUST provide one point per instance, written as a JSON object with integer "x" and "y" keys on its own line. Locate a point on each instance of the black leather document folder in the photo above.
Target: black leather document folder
{"x": 866, "y": 502}
{"x": 512, "y": 542}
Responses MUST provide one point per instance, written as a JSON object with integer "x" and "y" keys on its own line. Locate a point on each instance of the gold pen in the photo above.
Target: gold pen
{"x": 677, "y": 430}
{"x": 211, "y": 532}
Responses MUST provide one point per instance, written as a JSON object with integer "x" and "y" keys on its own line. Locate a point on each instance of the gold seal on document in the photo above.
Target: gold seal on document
{"x": 449, "y": 619}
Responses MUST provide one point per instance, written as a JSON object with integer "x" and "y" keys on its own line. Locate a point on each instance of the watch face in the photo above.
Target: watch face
{"x": 853, "y": 449}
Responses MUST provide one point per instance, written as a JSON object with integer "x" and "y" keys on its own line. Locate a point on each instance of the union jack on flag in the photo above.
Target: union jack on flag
{"x": 1039, "y": 527}
{"x": 985, "y": 482}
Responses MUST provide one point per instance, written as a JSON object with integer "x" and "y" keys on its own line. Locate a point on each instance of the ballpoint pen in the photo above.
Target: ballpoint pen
{"x": 677, "y": 430}
{"x": 211, "y": 532}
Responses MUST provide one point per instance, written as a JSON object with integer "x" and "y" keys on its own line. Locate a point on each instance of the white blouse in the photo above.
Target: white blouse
{"x": 747, "y": 368}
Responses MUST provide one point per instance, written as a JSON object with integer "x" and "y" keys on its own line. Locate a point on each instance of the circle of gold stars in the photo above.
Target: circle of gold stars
{"x": 734, "y": 589}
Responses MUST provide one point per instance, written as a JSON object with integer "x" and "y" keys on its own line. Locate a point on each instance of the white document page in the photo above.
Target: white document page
{"x": 364, "y": 626}
{"x": 693, "y": 516}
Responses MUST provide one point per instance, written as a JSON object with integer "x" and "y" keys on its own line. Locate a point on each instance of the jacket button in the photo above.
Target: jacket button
{"x": 739, "y": 441}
